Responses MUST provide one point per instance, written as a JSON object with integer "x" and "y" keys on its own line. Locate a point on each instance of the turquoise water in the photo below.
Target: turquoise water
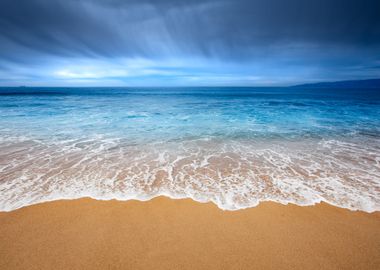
{"x": 232, "y": 146}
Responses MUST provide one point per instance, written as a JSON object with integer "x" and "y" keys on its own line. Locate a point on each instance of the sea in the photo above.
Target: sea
{"x": 232, "y": 146}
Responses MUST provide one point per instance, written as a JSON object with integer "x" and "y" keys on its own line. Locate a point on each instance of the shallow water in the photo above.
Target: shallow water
{"x": 232, "y": 146}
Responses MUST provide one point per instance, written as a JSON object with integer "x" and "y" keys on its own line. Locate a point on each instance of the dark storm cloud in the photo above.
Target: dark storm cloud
{"x": 56, "y": 27}
{"x": 114, "y": 28}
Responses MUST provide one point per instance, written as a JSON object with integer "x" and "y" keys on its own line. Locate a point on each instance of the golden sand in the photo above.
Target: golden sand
{"x": 183, "y": 234}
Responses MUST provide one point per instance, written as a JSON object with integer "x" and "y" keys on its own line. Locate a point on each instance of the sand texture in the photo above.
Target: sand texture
{"x": 183, "y": 234}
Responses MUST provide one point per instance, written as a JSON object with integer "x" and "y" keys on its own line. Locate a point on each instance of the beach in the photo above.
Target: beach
{"x": 163, "y": 233}
{"x": 189, "y": 178}
{"x": 189, "y": 135}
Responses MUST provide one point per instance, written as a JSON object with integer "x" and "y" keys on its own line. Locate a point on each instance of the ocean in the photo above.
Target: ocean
{"x": 235, "y": 147}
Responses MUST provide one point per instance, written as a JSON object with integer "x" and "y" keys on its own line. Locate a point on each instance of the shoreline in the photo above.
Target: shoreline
{"x": 163, "y": 233}
{"x": 167, "y": 196}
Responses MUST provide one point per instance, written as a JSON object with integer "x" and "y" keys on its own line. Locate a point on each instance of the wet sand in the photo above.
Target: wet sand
{"x": 183, "y": 234}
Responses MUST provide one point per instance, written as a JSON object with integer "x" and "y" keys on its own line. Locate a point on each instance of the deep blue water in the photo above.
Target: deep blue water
{"x": 175, "y": 113}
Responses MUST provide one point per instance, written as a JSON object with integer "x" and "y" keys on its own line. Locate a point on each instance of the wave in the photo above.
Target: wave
{"x": 233, "y": 174}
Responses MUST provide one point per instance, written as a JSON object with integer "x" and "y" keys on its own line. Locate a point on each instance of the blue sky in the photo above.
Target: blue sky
{"x": 187, "y": 43}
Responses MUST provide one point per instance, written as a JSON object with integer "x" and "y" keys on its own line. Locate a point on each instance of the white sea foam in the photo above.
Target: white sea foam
{"x": 233, "y": 174}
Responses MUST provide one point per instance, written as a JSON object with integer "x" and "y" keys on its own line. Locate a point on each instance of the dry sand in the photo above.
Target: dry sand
{"x": 182, "y": 234}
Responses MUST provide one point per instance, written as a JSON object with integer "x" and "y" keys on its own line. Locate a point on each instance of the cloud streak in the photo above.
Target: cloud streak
{"x": 320, "y": 38}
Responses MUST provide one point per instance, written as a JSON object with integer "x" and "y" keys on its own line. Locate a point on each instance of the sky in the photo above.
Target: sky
{"x": 187, "y": 42}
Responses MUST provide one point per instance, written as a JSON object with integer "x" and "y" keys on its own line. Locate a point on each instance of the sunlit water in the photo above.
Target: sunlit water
{"x": 235, "y": 147}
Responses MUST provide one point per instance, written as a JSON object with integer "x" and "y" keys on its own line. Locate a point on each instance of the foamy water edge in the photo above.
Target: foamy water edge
{"x": 224, "y": 207}
{"x": 103, "y": 175}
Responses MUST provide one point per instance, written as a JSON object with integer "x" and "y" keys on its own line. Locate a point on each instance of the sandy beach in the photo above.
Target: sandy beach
{"x": 183, "y": 234}
{"x": 263, "y": 116}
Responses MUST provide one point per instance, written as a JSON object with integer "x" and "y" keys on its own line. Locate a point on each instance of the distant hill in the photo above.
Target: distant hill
{"x": 372, "y": 83}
